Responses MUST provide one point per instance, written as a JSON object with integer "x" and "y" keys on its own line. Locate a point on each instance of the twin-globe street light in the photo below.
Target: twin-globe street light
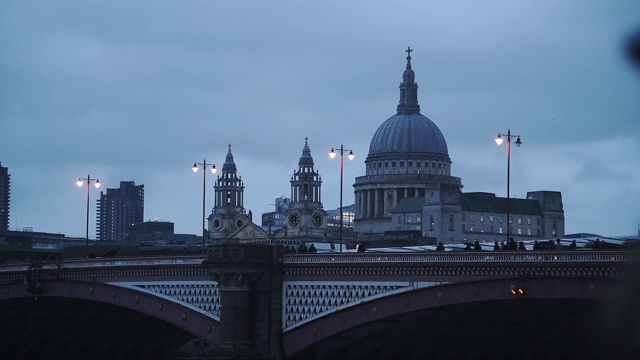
{"x": 332, "y": 154}
{"x": 81, "y": 182}
{"x": 204, "y": 190}
{"x": 518, "y": 143}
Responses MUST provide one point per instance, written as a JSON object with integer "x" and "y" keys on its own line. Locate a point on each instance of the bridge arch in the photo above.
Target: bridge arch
{"x": 100, "y": 302}
{"x": 568, "y": 299}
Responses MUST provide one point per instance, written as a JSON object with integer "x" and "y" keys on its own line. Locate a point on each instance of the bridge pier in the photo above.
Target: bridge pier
{"x": 235, "y": 303}
{"x": 249, "y": 280}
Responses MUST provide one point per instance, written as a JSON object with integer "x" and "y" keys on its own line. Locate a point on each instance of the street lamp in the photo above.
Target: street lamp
{"x": 332, "y": 154}
{"x": 204, "y": 189}
{"x": 518, "y": 143}
{"x": 80, "y": 182}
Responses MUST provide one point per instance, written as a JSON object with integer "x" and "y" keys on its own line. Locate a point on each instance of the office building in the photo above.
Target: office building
{"x": 117, "y": 210}
{"x": 5, "y": 192}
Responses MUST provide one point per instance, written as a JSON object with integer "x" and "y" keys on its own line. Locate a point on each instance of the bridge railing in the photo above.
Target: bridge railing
{"x": 353, "y": 258}
{"x": 464, "y": 257}
{"x": 106, "y": 262}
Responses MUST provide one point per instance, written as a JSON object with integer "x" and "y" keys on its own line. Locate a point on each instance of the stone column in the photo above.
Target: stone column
{"x": 249, "y": 281}
{"x": 235, "y": 303}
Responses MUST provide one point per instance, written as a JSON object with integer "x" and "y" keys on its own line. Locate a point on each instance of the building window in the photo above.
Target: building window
{"x": 410, "y": 163}
{"x": 431, "y": 223}
{"x": 418, "y": 218}
{"x": 519, "y": 220}
{"x": 554, "y": 229}
{"x": 492, "y": 229}
{"x": 538, "y": 221}
{"x": 401, "y": 163}
{"x": 490, "y": 218}
{"x": 481, "y": 218}
{"x": 519, "y": 230}
{"x": 393, "y": 164}
{"x": 528, "y": 231}
{"x": 500, "y": 230}
{"x": 529, "y": 220}
{"x": 408, "y": 219}
{"x": 417, "y": 163}
{"x": 481, "y": 228}
{"x": 471, "y": 228}
{"x": 450, "y": 222}
{"x": 501, "y": 219}
{"x": 463, "y": 217}
{"x": 386, "y": 164}
{"x": 472, "y": 217}
{"x": 399, "y": 219}
{"x": 539, "y": 232}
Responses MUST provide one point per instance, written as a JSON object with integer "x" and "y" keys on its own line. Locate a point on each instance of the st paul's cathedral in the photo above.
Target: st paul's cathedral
{"x": 407, "y": 191}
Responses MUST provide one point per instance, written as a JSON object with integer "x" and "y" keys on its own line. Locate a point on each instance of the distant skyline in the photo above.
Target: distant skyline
{"x": 139, "y": 91}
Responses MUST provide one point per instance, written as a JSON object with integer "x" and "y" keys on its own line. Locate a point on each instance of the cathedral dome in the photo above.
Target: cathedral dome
{"x": 408, "y": 132}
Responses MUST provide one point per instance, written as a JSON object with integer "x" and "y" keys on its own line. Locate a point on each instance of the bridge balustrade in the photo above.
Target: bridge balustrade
{"x": 354, "y": 258}
{"x": 96, "y": 263}
{"x": 464, "y": 257}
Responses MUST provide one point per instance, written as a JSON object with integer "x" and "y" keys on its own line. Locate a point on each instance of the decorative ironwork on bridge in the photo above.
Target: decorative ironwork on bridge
{"x": 320, "y": 284}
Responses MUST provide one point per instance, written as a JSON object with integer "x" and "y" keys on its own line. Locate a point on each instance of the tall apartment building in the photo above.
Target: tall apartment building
{"x": 5, "y": 189}
{"x": 118, "y": 209}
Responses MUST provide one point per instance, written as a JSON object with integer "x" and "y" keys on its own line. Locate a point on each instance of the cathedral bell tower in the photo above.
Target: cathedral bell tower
{"x": 228, "y": 214}
{"x": 306, "y": 218}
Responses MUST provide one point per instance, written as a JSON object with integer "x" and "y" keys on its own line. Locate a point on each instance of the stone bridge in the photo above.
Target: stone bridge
{"x": 252, "y": 301}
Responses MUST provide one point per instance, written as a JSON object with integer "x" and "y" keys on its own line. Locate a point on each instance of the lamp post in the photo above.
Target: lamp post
{"x": 518, "y": 143}
{"x": 204, "y": 189}
{"x": 81, "y": 182}
{"x": 332, "y": 154}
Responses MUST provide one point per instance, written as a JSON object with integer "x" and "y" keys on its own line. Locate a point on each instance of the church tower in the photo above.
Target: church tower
{"x": 228, "y": 214}
{"x": 306, "y": 218}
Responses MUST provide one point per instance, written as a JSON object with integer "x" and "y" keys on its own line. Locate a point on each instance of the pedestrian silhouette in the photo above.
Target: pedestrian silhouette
{"x": 496, "y": 246}
{"x": 312, "y": 248}
{"x": 596, "y": 244}
{"x": 476, "y": 246}
{"x": 440, "y": 247}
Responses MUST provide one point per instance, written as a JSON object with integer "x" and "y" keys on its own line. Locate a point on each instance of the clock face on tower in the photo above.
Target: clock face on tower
{"x": 294, "y": 219}
{"x": 318, "y": 219}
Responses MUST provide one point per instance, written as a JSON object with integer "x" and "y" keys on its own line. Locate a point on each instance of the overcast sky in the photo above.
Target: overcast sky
{"x": 140, "y": 90}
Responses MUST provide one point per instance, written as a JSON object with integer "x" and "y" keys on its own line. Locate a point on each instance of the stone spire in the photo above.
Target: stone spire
{"x": 408, "y": 90}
